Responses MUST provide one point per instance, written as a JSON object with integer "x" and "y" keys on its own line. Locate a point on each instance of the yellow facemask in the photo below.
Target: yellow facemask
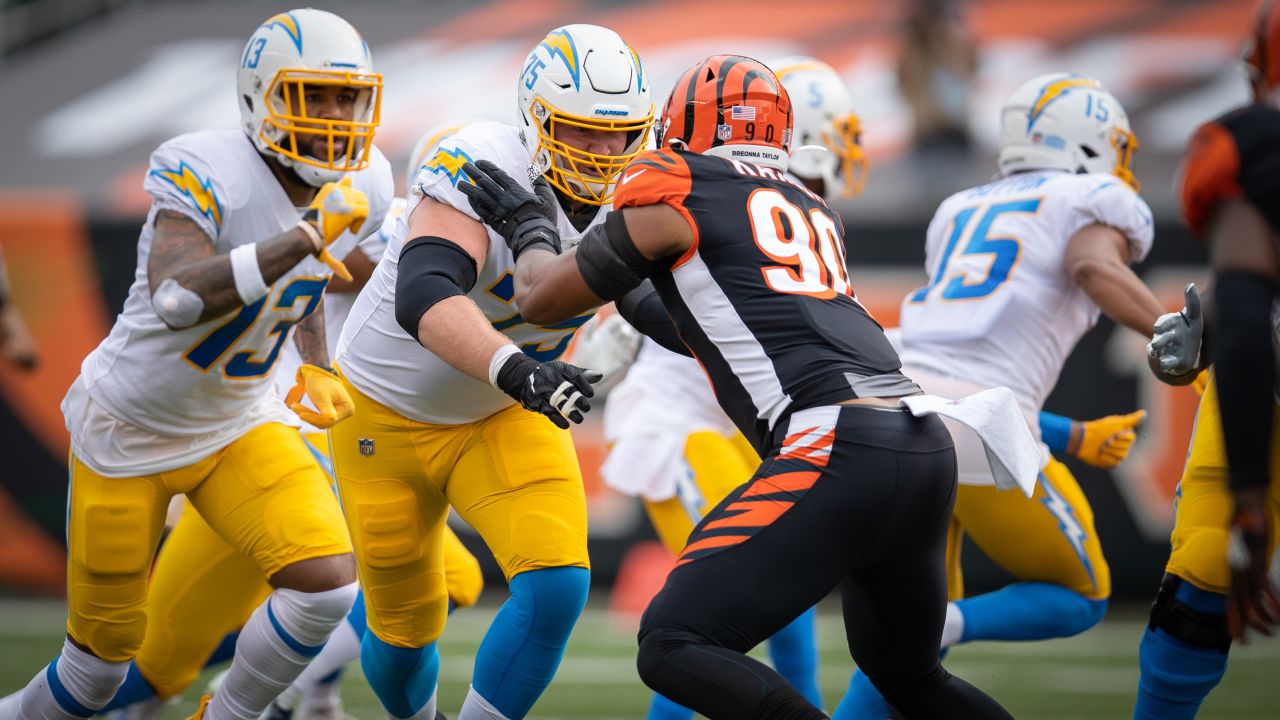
{"x": 287, "y": 114}
{"x": 854, "y": 165}
{"x": 1126, "y": 145}
{"x": 585, "y": 176}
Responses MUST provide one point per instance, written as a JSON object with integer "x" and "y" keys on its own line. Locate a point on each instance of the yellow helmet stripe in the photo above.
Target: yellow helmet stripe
{"x": 558, "y": 42}
{"x": 1055, "y": 90}
{"x": 801, "y": 67}
{"x": 289, "y": 24}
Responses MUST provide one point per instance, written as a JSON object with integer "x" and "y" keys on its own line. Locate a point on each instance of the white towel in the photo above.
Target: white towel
{"x": 994, "y": 416}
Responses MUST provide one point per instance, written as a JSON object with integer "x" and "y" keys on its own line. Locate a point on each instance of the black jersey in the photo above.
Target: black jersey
{"x": 1236, "y": 155}
{"x": 763, "y": 297}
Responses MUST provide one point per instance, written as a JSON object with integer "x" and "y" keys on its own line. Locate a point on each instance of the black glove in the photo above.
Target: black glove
{"x": 522, "y": 218}
{"x": 555, "y": 389}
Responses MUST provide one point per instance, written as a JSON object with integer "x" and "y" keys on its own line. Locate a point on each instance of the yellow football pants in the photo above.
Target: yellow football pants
{"x": 202, "y": 589}
{"x": 1205, "y": 504}
{"x": 512, "y": 476}
{"x": 1049, "y": 537}
{"x": 263, "y": 495}
{"x": 717, "y": 465}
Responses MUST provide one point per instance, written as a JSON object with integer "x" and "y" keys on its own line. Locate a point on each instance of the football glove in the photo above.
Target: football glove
{"x": 1174, "y": 351}
{"x": 555, "y": 389}
{"x": 609, "y": 344}
{"x": 523, "y": 218}
{"x": 337, "y": 208}
{"x": 1253, "y": 601}
{"x": 1106, "y": 442}
{"x": 323, "y": 388}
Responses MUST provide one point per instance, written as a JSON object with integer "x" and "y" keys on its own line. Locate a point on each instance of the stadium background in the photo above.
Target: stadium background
{"x": 90, "y": 87}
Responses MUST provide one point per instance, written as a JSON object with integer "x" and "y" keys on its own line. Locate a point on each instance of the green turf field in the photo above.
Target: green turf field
{"x": 1092, "y": 676}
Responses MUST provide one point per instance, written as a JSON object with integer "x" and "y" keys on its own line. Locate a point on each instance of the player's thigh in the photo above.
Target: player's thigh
{"x": 268, "y": 499}
{"x": 201, "y": 589}
{"x": 1049, "y": 537}
{"x": 396, "y": 518}
{"x": 712, "y": 466}
{"x": 1205, "y": 503}
{"x": 113, "y": 527}
{"x": 519, "y": 485}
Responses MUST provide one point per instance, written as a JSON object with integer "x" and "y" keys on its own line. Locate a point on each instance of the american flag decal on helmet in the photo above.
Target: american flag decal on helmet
{"x": 743, "y": 112}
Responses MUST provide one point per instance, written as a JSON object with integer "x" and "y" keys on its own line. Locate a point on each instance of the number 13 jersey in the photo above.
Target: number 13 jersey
{"x": 1001, "y": 307}
{"x": 762, "y": 297}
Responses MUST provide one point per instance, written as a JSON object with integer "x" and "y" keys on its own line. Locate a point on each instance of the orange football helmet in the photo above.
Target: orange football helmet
{"x": 731, "y": 106}
{"x": 1262, "y": 53}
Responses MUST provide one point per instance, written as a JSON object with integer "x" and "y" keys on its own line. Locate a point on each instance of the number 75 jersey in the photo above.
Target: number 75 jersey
{"x": 1001, "y": 307}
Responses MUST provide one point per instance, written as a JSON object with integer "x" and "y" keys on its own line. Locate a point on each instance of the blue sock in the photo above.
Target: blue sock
{"x": 520, "y": 653}
{"x": 356, "y": 618}
{"x": 1177, "y": 676}
{"x": 403, "y": 678}
{"x": 663, "y": 709}
{"x": 794, "y": 650}
{"x": 1029, "y": 611}
{"x": 861, "y": 701}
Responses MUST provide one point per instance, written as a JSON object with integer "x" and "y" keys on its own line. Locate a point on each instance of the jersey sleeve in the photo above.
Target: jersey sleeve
{"x": 180, "y": 180}
{"x": 658, "y": 177}
{"x": 1113, "y": 203}
{"x": 441, "y": 170}
{"x": 1209, "y": 174}
{"x": 375, "y": 244}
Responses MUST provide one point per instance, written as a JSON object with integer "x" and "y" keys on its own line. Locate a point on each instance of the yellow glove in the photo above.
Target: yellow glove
{"x": 337, "y": 208}
{"x": 325, "y": 391}
{"x": 1106, "y": 442}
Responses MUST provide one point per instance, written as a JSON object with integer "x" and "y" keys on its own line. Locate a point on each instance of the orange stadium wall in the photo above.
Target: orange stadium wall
{"x": 70, "y": 273}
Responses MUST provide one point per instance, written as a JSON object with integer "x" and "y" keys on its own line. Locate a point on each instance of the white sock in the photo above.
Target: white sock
{"x": 477, "y": 708}
{"x": 268, "y": 661}
{"x": 89, "y": 681}
{"x": 342, "y": 648}
{"x": 9, "y": 706}
{"x": 954, "y": 627}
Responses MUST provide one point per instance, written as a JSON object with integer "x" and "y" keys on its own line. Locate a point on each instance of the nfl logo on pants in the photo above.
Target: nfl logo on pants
{"x": 366, "y": 446}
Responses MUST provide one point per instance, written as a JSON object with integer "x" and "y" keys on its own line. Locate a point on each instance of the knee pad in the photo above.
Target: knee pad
{"x": 552, "y": 599}
{"x": 1194, "y": 616}
{"x": 404, "y": 679}
{"x": 305, "y": 620}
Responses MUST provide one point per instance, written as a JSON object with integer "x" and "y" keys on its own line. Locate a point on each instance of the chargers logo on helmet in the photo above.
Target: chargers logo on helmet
{"x": 1055, "y": 90}
{"x": 559, "y": 42}
{"x": 288, "y": 23}
{"x": 200, "y": 191}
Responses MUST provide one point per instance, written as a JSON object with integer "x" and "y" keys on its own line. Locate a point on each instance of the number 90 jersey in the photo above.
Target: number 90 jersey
{"x": 1001, "y": 307}
{"x": 388, "y": 365}
{"x": 202, "y": 386}
{"x": 762, "y": 297}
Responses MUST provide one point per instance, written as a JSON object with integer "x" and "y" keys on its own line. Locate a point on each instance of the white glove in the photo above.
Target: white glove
{"x": 609, "y": 345}
{"x": 1174, "y": 351}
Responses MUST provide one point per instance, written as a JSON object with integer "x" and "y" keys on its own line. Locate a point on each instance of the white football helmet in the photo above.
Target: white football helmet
{"x": 287, "y": 53}
{"x": 1066, "y": 122}
{"x": 583, "y": 76}
{"x": 826, "y": 142}
{"x": 429, "y": 141}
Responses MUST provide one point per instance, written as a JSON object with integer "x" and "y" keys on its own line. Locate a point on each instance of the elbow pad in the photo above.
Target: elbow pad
{"x": 431, "y": 269}
{"x": 610, "y": 263}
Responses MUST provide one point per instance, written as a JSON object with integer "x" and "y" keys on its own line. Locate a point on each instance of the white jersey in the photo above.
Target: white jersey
{"x": 150, "y": 399}
{"x": 1001, "y": 307}
{"x": 388, "y": 365}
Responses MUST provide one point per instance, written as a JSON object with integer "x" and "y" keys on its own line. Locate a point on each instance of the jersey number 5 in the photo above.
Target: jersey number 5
{"x": 1004, "y": 252}
{"x": 809, "y": 246}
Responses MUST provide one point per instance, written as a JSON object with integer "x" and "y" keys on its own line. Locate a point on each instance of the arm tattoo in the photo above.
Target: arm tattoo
{"x": 182, "y": 251}
{"x": 309, "y": 337}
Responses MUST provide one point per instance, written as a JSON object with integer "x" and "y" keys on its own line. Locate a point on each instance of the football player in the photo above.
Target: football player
{"x": 1215, "y": 586}
{"x": 444, "y": 370}
{"x": 16, "y": 344}
{"x": 178, "y": 398}
{"x": 1019, "y": 269}
{"x": 853, "y": 491}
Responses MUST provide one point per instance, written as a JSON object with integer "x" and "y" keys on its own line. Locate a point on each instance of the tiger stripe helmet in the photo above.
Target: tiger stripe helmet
{"x": 1262, "y": 53}
{"x": 730, "y": 106}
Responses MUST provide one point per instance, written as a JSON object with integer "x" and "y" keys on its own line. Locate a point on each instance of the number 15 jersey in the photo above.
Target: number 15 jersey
{"x": 1001, "y": 307}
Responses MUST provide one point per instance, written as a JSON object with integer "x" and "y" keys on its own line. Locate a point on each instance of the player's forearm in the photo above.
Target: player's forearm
{"x": 1120, "y": 294}
{"x": 1244, "y": 370}
{"x": 549, "y": 288}
{"x": 310, "y": 338}
{"x": 455, "y": 331}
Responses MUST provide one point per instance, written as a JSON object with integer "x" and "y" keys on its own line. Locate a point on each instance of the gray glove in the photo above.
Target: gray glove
{"x": 1174, "y": 351}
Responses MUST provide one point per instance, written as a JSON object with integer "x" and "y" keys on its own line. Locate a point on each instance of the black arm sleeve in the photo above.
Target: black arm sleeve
{"x": 431, "y": 269}
{"x": 1245, "y": 373}
{"x": 644, "y": 310}
{"x": 610, "y": 263}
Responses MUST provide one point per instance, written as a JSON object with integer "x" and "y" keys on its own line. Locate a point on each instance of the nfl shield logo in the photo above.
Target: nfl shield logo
{"x": 724, "y": 132}
{"x": 366, "y": 446}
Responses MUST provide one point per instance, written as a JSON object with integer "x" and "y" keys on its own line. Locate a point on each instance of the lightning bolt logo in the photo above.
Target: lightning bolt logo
{"x": 200, "y": 191}
{"x": 449, "y": 161}
{"x": 639, "y": 69}
{"x": 558, "y": 42}
{"x": 1053, "y": 91}
{"x": 286, "y": 22}
{"x": 1070, "y": 527}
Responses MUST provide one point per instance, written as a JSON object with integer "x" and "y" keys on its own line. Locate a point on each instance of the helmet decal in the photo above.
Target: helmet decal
{"x": 1055, "y": 90}
{"x": 287, "y": 22}
{"x": 559, "y": 42}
